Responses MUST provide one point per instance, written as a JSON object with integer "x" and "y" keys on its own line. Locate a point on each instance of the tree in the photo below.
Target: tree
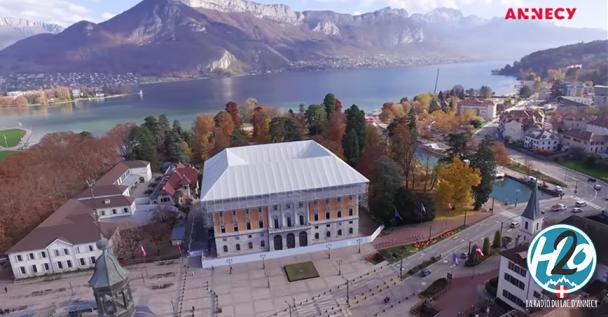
{"x": 424, "y": 99}
{"x": 202, "y": 142}
{"x": 222, "y": 133}
{"x": 435, "y": 105}
{"x": 174, "y": 149}
{"x": 248, "y": 109}
{"x": 486, "y": 246}
{"x": 329, "y": 102}
{"x": 233, "y": 109}
{"x": 335, "y": 128}
{"x": 239, "y": 138}
{"x": 355, "y": 121}
{"x": 151, "y": 123}
{"x": 486, "y": 92}
{"x": 285, "y": 129}
{"x": 316, "y": 118}
{"x": 497, "y": 240}
{"x": 351, "y": 147}
{"x": 484, "y": 160}
{"x": 414, "y": 207}
{"x": 455, "y": 183}
{"x": 375, "y": 148}
{"x": 501, "y": 154}
{"x": 525, "y": 92}
{"x": 458, "y": 91}
{"x": 403, "y": 149}
{"x": 384, "y": 187}
{"x": 145, "y": 147}
{"x": 458, "y": 143}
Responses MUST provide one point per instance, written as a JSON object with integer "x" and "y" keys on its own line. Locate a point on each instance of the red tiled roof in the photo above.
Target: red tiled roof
{"x": 182, "y": 175}
{"x": 115, "y": 172}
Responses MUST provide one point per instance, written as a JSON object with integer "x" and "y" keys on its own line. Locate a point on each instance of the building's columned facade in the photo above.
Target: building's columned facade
{"x": 297, "y": 205}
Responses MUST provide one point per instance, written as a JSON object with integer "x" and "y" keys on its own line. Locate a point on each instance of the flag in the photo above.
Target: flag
{"x": 561, "y": 291}
{"x": 450, "y": 206}
{"x": 142, "y": 251}
{"x": 397, "y": 215}
{"x": 422, "y": 209}
{"x": 479, "y": 252}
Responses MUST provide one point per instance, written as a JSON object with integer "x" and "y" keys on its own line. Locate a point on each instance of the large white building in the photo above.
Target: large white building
{"x": 484, "y": 108}
{"x": 514, "y": 124}
{"x": 280, "y": 196}
{"x": 541, "y": 140}
{"x": 515, "y": 284}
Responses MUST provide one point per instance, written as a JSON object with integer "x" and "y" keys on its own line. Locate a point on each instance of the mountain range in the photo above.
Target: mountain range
{"x": 190, "y": 38}
{"x": 15, "y": 29}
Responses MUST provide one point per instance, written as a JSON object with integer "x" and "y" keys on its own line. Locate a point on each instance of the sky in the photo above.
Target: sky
{"x": 590, "y": 13}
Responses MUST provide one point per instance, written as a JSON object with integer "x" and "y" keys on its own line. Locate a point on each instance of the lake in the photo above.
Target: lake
{"x": 368, "y": 88}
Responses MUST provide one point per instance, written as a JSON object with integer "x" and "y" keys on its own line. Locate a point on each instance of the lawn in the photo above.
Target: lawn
{"x": 5, "y": 154}
{"x": 11, "y": 137}
{"x": 579, "y": 167}
{"x": 394, "y": 254}
{"x": 300, "y": 271}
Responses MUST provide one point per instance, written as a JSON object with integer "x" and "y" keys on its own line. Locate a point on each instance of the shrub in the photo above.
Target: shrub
{"x": 492, "y": 286}
{"x": 497, "y": 239}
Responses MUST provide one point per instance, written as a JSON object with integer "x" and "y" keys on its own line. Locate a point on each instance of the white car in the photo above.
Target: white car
{"x": 597, "y": 187}
{"x": 576, "y": 210}
{"x": 558, "y": 207}
{"x": 559, "y": 189}
{"x": 580, "y": 203}
{"x": 531, "y": 179}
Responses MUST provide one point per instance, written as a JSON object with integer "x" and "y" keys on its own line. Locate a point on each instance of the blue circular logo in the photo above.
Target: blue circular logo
{"x": 561, "y": 259}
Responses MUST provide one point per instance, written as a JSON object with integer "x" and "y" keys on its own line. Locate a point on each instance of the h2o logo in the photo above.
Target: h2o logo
{"x": 561, "y": 259}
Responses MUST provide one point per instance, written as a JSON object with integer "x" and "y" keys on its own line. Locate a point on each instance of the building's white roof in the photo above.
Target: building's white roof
{"x": 274, "y": 168}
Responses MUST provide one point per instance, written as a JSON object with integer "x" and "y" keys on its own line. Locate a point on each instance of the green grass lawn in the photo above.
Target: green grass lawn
{"x": 5, "y": 154}
{"x": 394, "y": 254}
{"x": 300, "y": 271}
{"x": 11, "y": 137}
{"x": 580, "y": 167}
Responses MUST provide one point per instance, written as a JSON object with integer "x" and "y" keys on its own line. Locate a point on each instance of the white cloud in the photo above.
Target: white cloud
{"x": 61, "y": 12}
{"x": 107, "y": 15}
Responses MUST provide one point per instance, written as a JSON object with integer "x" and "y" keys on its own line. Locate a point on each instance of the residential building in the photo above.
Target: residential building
{"x": 578, "y": 105}
{"x": 513, "y": 124}
{"x": 575, "y": 121}
{"x": 577, "y": 89}
{"x": 280, "y": 196}
{"x": 127, "y": 173}
{"x": 64, "y": 242}
{"x": 600, "y": 95}
{"x": 484, "y": 108}
{"x": 180, "y": 182}
{"x": 515, "y": 284}
{"x": 588, "y": 141}
{"x": 541, "y": 140}
{"x": 598, "y": 126}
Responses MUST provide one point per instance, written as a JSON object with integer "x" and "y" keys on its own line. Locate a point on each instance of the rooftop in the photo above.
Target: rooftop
{"x": 108, "y": 272}
{"x": 118, "y": 170}
{"x": 274, "y": 168}
{"x": 540, "y": 134}
{"x": 102, "y": 190}
{"x": 585, "y": 136}
{"x": 517, "y": 254}
{"x": 108, "y": 202}
{"x": 601, "y": 122}
{"x": 532, "y": 210}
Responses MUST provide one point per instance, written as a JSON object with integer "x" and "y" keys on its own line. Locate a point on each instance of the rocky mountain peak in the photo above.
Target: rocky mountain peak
{"x": 275, "y": 12}
{"x": 20, "y": 23}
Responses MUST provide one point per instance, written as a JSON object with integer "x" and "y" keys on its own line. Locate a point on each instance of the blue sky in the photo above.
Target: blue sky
{"x": 590, "y": 13}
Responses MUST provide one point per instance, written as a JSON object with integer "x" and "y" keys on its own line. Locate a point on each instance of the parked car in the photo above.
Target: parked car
{"x": 576, "y": 210}
{"x": 531, "y": 179}
{"x": 514, "y": 224}
{"x": 559, "y": 189}
{"x": 580, "y": 203}
{"x": 464, "y": 255}
{"x": 591, "y": 180}
{"x": 425, "y": 272}
{"x": 558, "y": 207}
{"x": 597, "y": 187}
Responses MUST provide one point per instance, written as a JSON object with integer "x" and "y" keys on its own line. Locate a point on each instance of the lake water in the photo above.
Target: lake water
{"x": 368, "y": 88}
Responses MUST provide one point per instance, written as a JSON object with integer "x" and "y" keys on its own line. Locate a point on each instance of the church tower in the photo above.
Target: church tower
{"x": 110, "y": 284}
{"x": 532, "y": 219}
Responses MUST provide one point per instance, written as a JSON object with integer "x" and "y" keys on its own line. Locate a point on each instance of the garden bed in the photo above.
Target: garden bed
{"x": 300, "y": 271}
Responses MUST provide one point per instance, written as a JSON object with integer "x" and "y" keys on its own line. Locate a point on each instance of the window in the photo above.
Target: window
{"x": 234, "y": 212}
{"x": 327, "y": 215}
{"x": 19, "y": 258}
{"x": 339, "y": 232}
{"x": 125, "y": 210}
{"x": 339, "y": 199}
{"x": 34, "y": 269}
{"x": 327, "y": 225}
{"x": 103, "y": 212}
{"x": 537, "y": 225}
{"x": 276, "y": 222}
{"x": 238, "y": 247}
{"x": 262, "y": 244}
{"x": 225, "y": 248}
{"x": 288, "y": 206}
{"x": 43, "y": 254}
{"x": 339, "y": 213}
{"x": 327, "y": 234}
{"x": 93, "y": 260}
{"x": 317, "y": 236}
{"x": 250, "y": 245}
{"x": 526, "y": 225}
{"x": 113, "y": 211}
{"x": 260, "y": 209}
{"x": 22, "y": 270}
{"x": 536, "y": 294}
{"x": 350, "y": 230}
{"x": 237, "y": 238}
{"x": 31, "y": 256}
{"x": 248, "y": 225}
{"x": 316, "y": 217}
{"x": 249, "y": 236}
{"x": 69, "y": 263}
{"x": 91, "y": 248}
{"x": 275, "y": 207}
{"x": 301, "y": 204}
{"x": 261, "y": 224}
{"x": 66, "y": 251}
{"x": 60, "y": 265}
{"x": 289, "y": 221}
{"x": 301, "y": 220}
{"x": 514, "y": 281}
{"x": 350, "y": 222}
{"x": 82, "y": 262}
{"x": 46, "y": 266}
{"x": 513, "y": 298}
{"x": 517, "y": 269}
{"x": 350, "y": 211}
{"x": 223, "y": 229}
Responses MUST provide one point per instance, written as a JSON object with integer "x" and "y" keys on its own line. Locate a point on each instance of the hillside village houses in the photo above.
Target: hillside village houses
{"x": 578, "y": 89}
{"x": 541, "y": 140}
{"x": 485, "y": 108}
{"x": 513, "y": 124}
{"x": 65, "y": 241}
{"x": 272, "y": 197}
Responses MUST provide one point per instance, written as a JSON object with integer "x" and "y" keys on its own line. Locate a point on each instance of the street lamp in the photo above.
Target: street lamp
{"x": 340, "y": 267}
{"x": 263, "y": 263}
{"x": 329, "y": 251}
{"x": 359, "y": 243}
{"x": 229, "y": 261}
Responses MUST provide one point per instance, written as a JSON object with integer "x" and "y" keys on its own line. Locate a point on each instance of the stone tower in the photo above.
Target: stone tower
{"x": 110, "y": 284}
{"x": 532, "y": 219}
